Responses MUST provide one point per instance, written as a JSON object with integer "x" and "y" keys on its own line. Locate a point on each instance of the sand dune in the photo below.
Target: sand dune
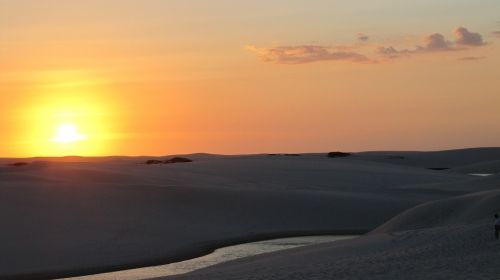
{"x": 469, "y": 185}
{"x": 68, "y": 218}
{"x": 444, "y": 239}
{"x": 452, "y": 252}
{"x": 450, "y": 158}
{"x": 461, "y": 210}
{"x": 480, "y": 167}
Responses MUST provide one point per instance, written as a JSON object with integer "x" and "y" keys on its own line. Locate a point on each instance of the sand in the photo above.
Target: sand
{"x": 71, "y": 217}
{"x": 450, "y": 252}
{"x": 445, "y": 239}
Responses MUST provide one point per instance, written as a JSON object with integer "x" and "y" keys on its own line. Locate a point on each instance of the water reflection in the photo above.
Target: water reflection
{"x": 219, "y": 256}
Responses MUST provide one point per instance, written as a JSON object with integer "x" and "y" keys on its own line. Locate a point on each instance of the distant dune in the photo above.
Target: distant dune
{"x": 77, "y": 215}
{"x": 449, "y": 158}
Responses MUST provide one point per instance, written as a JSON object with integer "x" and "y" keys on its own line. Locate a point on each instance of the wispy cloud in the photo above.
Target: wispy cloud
{"x": 307, "y": 54}
{"x": 390, "y": 52}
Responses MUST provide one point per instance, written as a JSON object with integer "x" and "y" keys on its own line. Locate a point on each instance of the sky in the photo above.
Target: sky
{"x": 153, "y": 77}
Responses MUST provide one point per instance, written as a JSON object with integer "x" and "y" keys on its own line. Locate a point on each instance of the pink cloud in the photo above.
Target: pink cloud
{"x": 467, "y": 38}
{"x": 432, "y": 43}
{"x": 306, "y": 54}
{"x": 436, "y": 42}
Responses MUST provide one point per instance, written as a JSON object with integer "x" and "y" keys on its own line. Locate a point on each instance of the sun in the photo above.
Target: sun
{"x": 68, "y": 133}
{"x": 72, "y": 112}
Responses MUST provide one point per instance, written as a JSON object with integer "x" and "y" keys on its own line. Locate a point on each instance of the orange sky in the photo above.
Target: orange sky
{"x": 163, "y": 77}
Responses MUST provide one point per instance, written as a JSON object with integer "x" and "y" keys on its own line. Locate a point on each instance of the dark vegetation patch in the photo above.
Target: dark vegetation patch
{"x": 18, "y": 164}
{"x": 438, "y": 168}
{"x": 338, "y": 154}
{"x": 154, "y": 161}
{"x": 168, "y": 161}
{"x": 177, "y": 160}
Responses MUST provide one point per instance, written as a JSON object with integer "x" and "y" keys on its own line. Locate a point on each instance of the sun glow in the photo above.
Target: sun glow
{"x": 69, "y": 113}
{"x": 67, "y": 133}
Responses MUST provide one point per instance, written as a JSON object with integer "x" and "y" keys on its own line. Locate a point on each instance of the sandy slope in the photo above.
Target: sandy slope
{"x": 445, "y": 239}
{"x": 452, "y": 252}
{"x": 460, "y": 210}
{"x": 61, "y": 218}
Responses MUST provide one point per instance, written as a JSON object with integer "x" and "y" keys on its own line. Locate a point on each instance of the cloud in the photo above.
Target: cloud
{"x": 436, "y": 42}
{"x": 467, "y": 38}
{"x": 471, "y": 58}
{"x": 306, "y": 54}
{"x": 390, "y": 52}
{"x": 432, "y": 43}
{"x": 363, "y": 37}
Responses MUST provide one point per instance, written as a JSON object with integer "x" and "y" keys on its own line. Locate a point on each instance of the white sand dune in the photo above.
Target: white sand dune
{"x": 66, "y": 218}
{"x": 451, "y": 252}
{"x": 445, "y": 239}
{"x": 491, "y": 167}
{"x": 460, "y": 210}
{"x": 470, "y": 185}
{"x": 449, "y": 159}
